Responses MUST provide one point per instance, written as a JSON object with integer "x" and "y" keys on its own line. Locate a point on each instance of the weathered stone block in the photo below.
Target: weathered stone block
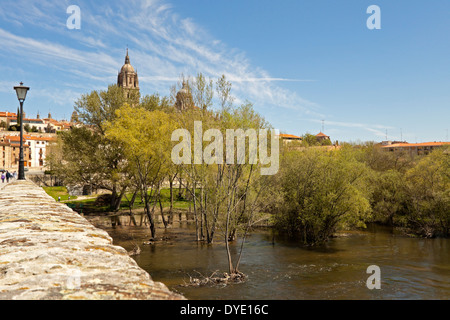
{"x": 48, "y": 251}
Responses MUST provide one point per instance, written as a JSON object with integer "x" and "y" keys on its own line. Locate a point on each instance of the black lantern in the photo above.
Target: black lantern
{"x": 21, "y": 95}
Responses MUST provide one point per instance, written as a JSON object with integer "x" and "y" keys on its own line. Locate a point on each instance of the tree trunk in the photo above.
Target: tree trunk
{"x": 149, "y": 215}
{"x": 162, "y": 210}
{"x": 171, "y": 202}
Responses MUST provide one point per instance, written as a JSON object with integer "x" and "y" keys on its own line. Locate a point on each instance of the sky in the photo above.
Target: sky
{"x": 305, "y": 65}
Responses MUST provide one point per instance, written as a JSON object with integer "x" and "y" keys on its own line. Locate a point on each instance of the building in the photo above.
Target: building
{"x": 423, "y": 148}
{"x": 38, "y": 124}
{"x": 184, "y": 98}
{"x": 128, "y": 77}
{"x": 287, "y": 138}
{"x": 5, "y": 116}
{"x": 321, "y": 137}
{"x": 5, "y": 154}
{"x": 35, "y": 150}
{"x": 10, "y": 153}
{"x": 38, "y": 149}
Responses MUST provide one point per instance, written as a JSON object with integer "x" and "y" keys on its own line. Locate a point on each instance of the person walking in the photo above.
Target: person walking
{"x": 8, "y": 175}
{"x": 3, "y": 177}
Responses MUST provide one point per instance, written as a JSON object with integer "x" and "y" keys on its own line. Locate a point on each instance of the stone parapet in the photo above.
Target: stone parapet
{"x": 50, "y": 252}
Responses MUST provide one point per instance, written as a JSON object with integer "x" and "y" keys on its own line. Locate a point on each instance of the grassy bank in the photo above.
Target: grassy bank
{"x": 90, "y": 206}
{"x": 60, "y": 192}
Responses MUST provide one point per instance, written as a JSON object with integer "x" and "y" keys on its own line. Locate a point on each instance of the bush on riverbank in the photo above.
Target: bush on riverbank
{"x": 428, "y": 197}
{"x": 321, "y": 192}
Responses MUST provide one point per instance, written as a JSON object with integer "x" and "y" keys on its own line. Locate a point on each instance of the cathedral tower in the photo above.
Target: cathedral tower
{"x": 127, "y": 77}
{"x": 184, "y": 98}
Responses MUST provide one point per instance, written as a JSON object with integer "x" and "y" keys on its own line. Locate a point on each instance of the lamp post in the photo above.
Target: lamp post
{"x": 21, "y": 92}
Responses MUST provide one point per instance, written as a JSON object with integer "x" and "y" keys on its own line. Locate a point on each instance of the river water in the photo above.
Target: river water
{"x": 281, "y": 269}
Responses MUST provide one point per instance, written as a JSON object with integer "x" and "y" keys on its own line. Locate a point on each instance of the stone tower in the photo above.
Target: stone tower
{"x": 184, "y": 98}
{"x": 127, "y": 77}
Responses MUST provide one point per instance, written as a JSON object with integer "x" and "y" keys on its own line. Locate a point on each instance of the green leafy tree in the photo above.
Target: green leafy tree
{"x": 428, "y": 192}
{"x": 88, "y": 156}
{"x": 388, "y": 196}
{"x": 321, "y": 192}
{"x": 310, "y": 140}
{"x": 225, "y": 195}
{"x": 145, "y": 141}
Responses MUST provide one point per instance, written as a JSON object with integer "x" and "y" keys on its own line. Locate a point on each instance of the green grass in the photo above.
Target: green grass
{"x": 165, "y": 199}
{"x": 88, "y": 205}
{"x": 56, "y": 192}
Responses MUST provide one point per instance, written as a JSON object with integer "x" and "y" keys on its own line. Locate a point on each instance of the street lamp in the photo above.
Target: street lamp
{"x": 21, "y": 95}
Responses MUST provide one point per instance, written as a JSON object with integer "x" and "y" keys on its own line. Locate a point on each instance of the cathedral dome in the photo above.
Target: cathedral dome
{"x": 184, "y": 98}
{"x": 184, "y": 89}
{"x": 127, "y": 77}
{"x": 127, "y": 68}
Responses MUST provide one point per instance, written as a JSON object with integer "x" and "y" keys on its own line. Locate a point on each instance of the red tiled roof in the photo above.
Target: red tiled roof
{"x": 291, "y": 136}
{"x": 320, "y": 134}
{"x": 422, "y": 144}
{"x": 7, "y": 114}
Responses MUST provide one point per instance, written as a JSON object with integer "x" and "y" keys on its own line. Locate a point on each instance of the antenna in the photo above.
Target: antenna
{"x": 323, "y": 121}
{"x": 386, "y": 135}
{"x": 401, "y": 135}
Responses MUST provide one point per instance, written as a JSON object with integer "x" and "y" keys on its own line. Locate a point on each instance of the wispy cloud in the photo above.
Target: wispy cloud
{"x": 163, "y": 45}
{"x": 376, "y": 129}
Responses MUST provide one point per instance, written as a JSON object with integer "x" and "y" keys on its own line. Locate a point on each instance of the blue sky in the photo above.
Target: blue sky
{"x": 299, "y": 62}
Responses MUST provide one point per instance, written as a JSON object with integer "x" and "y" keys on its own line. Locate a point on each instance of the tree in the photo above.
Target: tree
{"x": 145, "y": 144}
{"x": 428, "y": 196}
{"x": 321, "y": 191}
{"x": 224, "y": 195}
{"x": 388, "y": 199}
{"x": 89, "y": 157}
{"x": 18, "y": 117}
{"x": 310, "y": 140}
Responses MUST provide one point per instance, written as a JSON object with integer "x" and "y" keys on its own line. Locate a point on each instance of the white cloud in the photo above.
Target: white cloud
{"x": 163, "y": 45}
{"x": 376, "y": 129}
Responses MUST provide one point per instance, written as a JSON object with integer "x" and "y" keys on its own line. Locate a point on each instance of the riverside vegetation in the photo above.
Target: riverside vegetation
{"x": 124, "y": 145}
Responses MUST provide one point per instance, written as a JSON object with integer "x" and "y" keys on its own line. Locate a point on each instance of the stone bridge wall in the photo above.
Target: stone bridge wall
{"x": 48, "y": 251}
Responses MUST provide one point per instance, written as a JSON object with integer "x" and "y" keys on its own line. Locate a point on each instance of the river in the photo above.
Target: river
{"x": 281, "y": 269}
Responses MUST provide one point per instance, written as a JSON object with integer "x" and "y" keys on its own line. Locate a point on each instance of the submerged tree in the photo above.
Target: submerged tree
{"x": 145, "y": 144}
{"x": 320, "y": 191}
{"x": 224, "y": 193}
{"x": 428, "y": 196}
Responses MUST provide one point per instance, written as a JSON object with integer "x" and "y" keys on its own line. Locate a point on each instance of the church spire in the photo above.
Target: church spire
{"x": 127, "y": 77}
{"x": 127, "y": 58}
